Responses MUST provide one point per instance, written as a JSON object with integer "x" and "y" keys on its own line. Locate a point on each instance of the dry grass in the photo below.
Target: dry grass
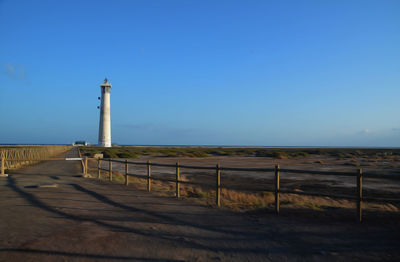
{"x": 352, "y": 162}
{"x": 245, "y": 201}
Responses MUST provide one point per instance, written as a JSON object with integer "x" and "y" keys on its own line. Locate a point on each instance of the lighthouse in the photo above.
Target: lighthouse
{"x": 105, "y": 118}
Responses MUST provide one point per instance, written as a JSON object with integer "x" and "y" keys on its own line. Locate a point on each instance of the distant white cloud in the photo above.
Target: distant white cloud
{"x": 14, "y": 71}
{"x": 366, "y": 131}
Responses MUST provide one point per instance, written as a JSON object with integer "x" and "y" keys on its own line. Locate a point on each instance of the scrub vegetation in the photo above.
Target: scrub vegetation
{"x": 278, "y": 153}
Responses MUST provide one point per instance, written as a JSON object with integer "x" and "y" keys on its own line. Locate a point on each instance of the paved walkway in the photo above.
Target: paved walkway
{"x": 91, "y": 220}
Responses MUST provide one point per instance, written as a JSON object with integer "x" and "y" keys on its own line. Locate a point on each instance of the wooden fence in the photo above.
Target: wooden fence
{"x": 17, "y": 156}
{"x": 83, "y": 160}
{"x": 358, "y": 175}
{"x": 23, "y": 155}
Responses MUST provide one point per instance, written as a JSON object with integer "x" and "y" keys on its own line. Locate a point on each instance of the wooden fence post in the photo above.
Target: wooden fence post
{"x": 148, "y": 175}
{"x": 126, "y": 172}
{"x": 218, "y": 185}
{"x": 86, "y": 166}
{"x": 277, "y": 189}
{"x": 3, "y": 160}
{"x": 359, "y": 195}
{"x": 83, "y": 166}
{"x": 98, "y": 168}
{"x": 177, "y": 180}
{"x": 110, "y": 169}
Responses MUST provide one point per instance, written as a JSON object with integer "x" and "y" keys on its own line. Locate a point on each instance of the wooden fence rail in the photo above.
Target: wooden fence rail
{"x": 3, "y": 163}
{"x": 358, "y": 175}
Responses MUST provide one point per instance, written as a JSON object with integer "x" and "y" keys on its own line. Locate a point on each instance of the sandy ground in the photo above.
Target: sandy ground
{"x": 91, "y": 220}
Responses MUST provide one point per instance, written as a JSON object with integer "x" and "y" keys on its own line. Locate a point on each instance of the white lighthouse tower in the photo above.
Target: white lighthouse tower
{"x": 105, "y": 118}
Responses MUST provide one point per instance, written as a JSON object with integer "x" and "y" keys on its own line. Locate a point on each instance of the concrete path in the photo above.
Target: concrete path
{"x": 90, "y": 220}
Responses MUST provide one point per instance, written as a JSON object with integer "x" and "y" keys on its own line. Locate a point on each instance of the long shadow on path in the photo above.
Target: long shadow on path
{"x": 182, "y": 241}
{"x": 81, "y": 255}
{"x": 269, "y": 241}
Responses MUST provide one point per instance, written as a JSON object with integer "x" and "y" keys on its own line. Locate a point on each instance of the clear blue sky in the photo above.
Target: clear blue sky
{"x": 272, "y": 73}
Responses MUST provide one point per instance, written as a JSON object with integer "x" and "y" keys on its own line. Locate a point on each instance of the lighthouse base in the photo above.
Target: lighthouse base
{"x": 106, "y": 144}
